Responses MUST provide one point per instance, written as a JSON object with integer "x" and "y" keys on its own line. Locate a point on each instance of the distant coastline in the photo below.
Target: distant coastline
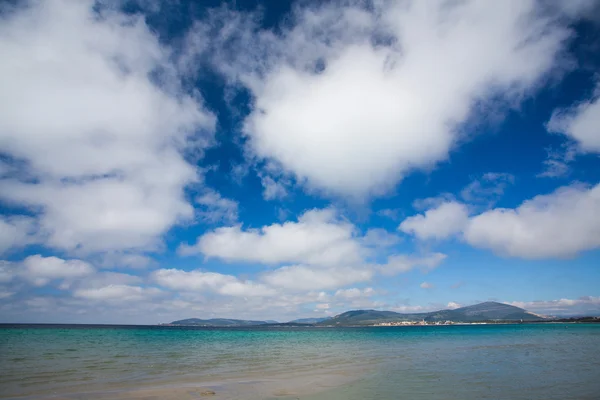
{"x": 478, "y": 314}
{"x": 582, "y": 320}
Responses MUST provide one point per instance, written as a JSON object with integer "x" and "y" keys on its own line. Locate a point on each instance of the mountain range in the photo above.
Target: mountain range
{"x": 488, "y": 311}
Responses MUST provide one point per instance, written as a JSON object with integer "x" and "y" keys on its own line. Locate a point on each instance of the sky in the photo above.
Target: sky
{"x": 281, "y": 160}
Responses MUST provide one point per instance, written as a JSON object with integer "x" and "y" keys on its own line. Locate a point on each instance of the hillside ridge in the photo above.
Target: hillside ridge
{"x": 481, "y": 312}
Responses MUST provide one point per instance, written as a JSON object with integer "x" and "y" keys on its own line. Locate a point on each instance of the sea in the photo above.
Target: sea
{"x": 520, "y": 361}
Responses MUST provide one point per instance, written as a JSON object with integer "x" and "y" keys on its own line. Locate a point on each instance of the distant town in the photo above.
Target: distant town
{"x": 423, "y": 322}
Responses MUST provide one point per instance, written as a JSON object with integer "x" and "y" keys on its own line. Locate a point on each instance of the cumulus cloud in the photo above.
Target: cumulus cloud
{"x": 433, "y": 202}
{"x": 437, "y": 223}
{"x": 354, "y": 293}
{"x": 453, "y": 305}
{"x": 350, "y": 99}
{"x": 580, "y": 123}
{"x": 426, "y": 285}
{"x": 209, "y": 281}
{"x": 318, "y": 237}
{"x": 99, "y": 140}
{"x": 407, "y": 308}
{"x": 560, "y": 224}
{"x": 214, "y": 208}
{"x": 41, "y": 270}
{"x": 325, "y": 251}
{"x": 16, "y": 232}
{"x": 72, "y": 276}
{"x": 120, "y": 293}
{"x": 273, "y": 189}
{"x": 108, "y": 278}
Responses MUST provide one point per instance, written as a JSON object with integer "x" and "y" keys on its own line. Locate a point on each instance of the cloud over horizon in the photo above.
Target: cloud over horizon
{"x": 560, "y": 224}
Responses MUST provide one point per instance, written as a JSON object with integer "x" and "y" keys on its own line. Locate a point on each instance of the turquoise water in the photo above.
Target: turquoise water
{"x": 551, "y": 361}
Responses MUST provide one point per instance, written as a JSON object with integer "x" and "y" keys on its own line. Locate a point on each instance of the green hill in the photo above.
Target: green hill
{"x": 488, "y": 311}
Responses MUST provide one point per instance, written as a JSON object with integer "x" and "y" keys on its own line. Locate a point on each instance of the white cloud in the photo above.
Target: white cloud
{"x": 303, "y": 277}
{"x": 350, "y": 100}
{"x": 426, "y": 285}
{"x": 557, "y": 163}
{"x": 215, "y": 208}
{"x": 453, "y": 305}
{"x": 318, "y": 237}
{"x": 433, "y": 202}
{"x": 560, "y": 224}
{"x": 100, "y": 143}
{"x": 437, "y": 223}
{"x": 107, "y": 278}
{"x": 404, "y": 263}
{"x": 406, "y": 308}
{"x": 326, "y": 251}
{"x": 273, "y": 189}
{"x": 355, "y": 298}
{"x": 41, "y": 270}
{"x": 16, "y": 232}
{"x": 586, "y": 305}
{"x": 488, "y": 188}
{"x": 580, "y": 122}
{"x": 354, "y": 293}
{"x": 120, "y": 293}
{"x": 238, "y": 172}
{"x": 228, "y": 285}
{"x": 7, "y": 271}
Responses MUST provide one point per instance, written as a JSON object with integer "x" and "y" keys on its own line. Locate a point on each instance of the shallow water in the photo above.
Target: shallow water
{"x": 551, "y": 361}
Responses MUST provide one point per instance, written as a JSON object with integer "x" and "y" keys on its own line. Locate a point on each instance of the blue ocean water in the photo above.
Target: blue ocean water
{"x": 526, "y": 361}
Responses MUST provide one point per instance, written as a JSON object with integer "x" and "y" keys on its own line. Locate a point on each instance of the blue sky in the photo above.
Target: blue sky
{"x": 164, "y": 160}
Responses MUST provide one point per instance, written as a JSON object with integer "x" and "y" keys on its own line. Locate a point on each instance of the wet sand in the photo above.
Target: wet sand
{"x": 279, "y": 386}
